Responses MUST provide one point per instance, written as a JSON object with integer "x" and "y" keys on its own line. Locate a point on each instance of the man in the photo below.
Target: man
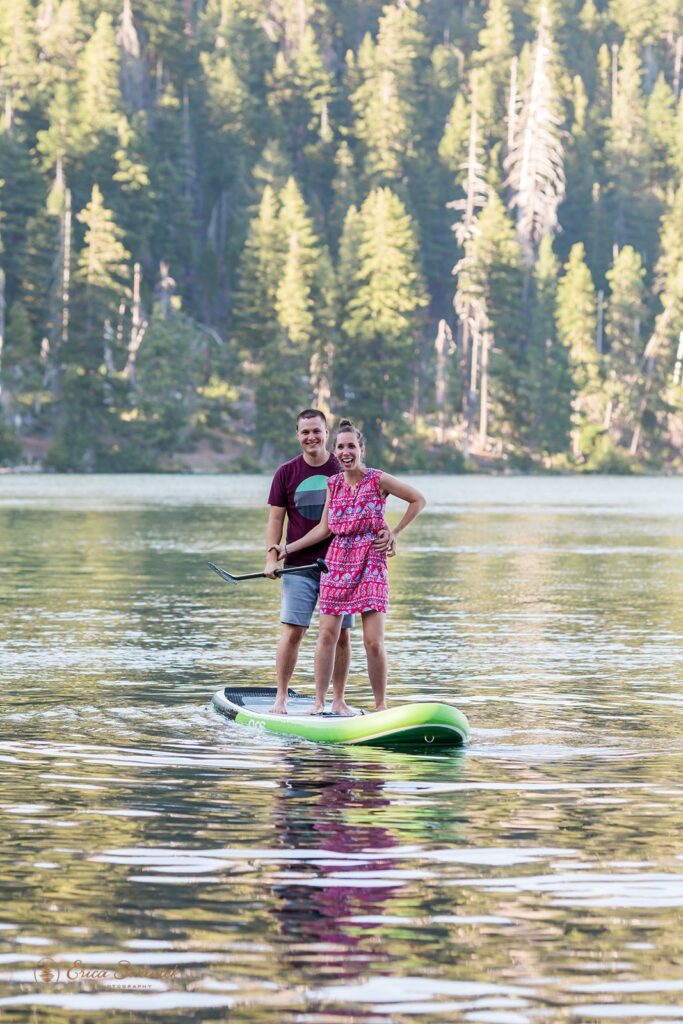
{"x": 298, "y": 492}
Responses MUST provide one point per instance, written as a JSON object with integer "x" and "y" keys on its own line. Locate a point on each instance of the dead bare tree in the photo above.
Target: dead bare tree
{"x": 535, "y": 160}
{"x": 477, "y": 192}
{"x": 655, "y": 342}
{"x": 444, "y": 345}
{"x": 137, "y": 328}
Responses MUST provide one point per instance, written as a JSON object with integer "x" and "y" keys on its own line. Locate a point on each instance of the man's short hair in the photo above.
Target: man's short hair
{"x": 309, "y": 414}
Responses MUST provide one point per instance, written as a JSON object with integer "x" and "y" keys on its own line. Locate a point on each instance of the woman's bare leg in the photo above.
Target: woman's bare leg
{"x": 342, "y": 660}
{"x": 325, "y": 650}
{"x": 373, "y": 638}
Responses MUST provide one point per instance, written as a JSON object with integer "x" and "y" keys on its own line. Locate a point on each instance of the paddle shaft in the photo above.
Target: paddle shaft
{"x": 278, "y": 572}
{"x": 319, "y": 565}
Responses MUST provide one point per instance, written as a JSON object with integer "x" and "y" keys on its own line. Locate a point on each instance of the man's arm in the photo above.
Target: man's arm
{"x": 314, "y": 536}
{"x": 276, "y": 522}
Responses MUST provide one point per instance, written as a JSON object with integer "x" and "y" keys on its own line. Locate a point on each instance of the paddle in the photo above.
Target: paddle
{"x": 320, "y": 564}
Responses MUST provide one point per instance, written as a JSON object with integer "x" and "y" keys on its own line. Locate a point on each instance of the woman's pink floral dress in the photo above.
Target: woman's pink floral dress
{"x": 357, "y": 580}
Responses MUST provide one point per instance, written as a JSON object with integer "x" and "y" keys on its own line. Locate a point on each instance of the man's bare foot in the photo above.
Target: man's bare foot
{"x": 279, "y": 707}
{"x": 342, "y": 708}
{"x": 317, "y": 709}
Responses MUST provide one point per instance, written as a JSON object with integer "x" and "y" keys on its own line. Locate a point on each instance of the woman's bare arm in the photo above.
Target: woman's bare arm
{"x": 399, "y": 489}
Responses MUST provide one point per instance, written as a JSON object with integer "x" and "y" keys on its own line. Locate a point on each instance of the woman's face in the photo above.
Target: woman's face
{"x": 348, "y": 450}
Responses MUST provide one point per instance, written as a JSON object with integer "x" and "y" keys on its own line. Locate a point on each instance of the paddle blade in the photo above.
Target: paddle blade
{"x": 321, "y": 564}
{"x": 222, "y": 573}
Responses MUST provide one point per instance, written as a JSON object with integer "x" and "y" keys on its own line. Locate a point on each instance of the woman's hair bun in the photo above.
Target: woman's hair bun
{"x": 348, "y": 426}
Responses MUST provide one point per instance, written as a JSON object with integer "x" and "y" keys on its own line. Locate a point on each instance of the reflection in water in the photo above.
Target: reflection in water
{"x": 535, "y": 877}
{"x": 333, "y": 813}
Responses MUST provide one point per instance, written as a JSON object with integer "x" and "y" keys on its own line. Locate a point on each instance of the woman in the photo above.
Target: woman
{"x": 357, "y": 581}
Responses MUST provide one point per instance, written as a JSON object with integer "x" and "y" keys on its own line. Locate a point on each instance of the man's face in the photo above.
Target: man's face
{"x": 312, "y": 434}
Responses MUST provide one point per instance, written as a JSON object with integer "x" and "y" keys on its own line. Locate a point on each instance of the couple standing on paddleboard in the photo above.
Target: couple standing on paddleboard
{"x": 323, "y": 495}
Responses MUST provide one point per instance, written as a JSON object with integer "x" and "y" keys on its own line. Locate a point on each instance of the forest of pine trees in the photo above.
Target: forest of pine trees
{"x": 459, "y": 222}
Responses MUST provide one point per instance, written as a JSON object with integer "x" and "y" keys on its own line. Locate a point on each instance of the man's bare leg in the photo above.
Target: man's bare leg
{"x": 373, "y": 638}
{"x": 285, "y": 663}
{"x": 325, "y": 652}
{"x": 340, "y": 674}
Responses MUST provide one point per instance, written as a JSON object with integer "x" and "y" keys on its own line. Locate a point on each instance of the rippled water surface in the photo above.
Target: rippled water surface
{"x": 535, "y": 877}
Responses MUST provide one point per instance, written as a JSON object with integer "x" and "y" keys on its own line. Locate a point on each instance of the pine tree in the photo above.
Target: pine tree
{"x": 22, "y": 194}
{"x": 492, "y": 60}
{"x": 174, "y": 236}
{"x": 643, "y": 22}
{"x": 100, "y": 95}
{"x": 37, "y": 273}
{"x": 385, "y": 102}
{"x": 488, "y": 300}
{"x": 576, "y": 328}
{"x": 103, "y": 270}
{"x": 61, "y": 30}
{"x": 663, "y": 136}
{"x": 344, "y": 188}
{"x": 625, "y": 324}
{"x": 548, "y": 381}
{"x": 627, "y": 158}
{"x": 284, "y": 309}
{"x": 455, "y": 138}
{"x": 137, "y": 206}
{"x": 300, "y": 94}
{"x": 254, "y": 317}
{"x": 296, "y": 357}
{"x": 18, "y": 59}
{"x": 21, "y": 356}
{"x": 385, "y": 294}
{"x": 166, "y": 401}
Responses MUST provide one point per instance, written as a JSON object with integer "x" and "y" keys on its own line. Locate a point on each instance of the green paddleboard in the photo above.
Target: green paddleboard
{"x": 422, "y": 725}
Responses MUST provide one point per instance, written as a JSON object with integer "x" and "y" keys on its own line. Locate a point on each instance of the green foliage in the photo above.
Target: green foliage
{"x": 83, "y": 439}
{"x": 279, "y": 174}
{"x": 385, "y": 99}
{"x": 577, "y": 318}
{"x": 548, "y": 380}
{"x": 10, "y": 446}
{"x": 285, "y": 309}
{"x": 600, "y": 454}
{"x": 166, "y": 402}
{"x": 384, "y": 296}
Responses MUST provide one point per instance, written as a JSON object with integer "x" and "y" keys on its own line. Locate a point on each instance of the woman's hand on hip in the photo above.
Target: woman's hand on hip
{"x": 385, "y": 542}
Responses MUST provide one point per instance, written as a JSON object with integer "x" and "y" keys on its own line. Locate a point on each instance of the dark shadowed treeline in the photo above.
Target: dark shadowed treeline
{"x": 460, "y": 222}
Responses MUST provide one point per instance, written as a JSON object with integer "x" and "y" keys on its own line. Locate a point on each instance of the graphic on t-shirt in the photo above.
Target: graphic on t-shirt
{"x": 309, "y": 497}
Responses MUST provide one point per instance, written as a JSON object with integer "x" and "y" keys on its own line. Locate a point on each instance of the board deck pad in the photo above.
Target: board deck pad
{"x": 261, "y": 698}
{"x": 422, "y": 724}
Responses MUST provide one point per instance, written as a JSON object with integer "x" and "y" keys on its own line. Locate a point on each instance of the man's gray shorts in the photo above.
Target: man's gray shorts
{"x": 299, "y": 597}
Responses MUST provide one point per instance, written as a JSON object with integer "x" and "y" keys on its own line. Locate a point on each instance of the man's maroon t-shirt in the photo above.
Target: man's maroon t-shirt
{"x": 302, "y": 490}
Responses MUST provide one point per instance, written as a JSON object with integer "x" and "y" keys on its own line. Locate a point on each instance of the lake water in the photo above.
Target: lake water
{"x": 537, "y": 876}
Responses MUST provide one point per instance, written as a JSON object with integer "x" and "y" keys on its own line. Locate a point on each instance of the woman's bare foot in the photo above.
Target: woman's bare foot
{"x": 317, "y": 709}
{"x": 279, "y": 707}
{"x": 381, "y": 707}
{"x": 342, "y": 708}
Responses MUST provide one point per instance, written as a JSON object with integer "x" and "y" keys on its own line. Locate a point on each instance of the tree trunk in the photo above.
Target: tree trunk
{"x": 464, "y": 361}
{"x": 512, "y": 105}
{"x": 678, "y": 366}
{"x": 66, "y": 266}
{"x": 678, "y": 59}
{"x": 472, "y": 390}
{"x": 443, "y": 345}
{"x": 2, "y": 322}
{"x": 137, "y": 330}
{"x": 484, "y": 397}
